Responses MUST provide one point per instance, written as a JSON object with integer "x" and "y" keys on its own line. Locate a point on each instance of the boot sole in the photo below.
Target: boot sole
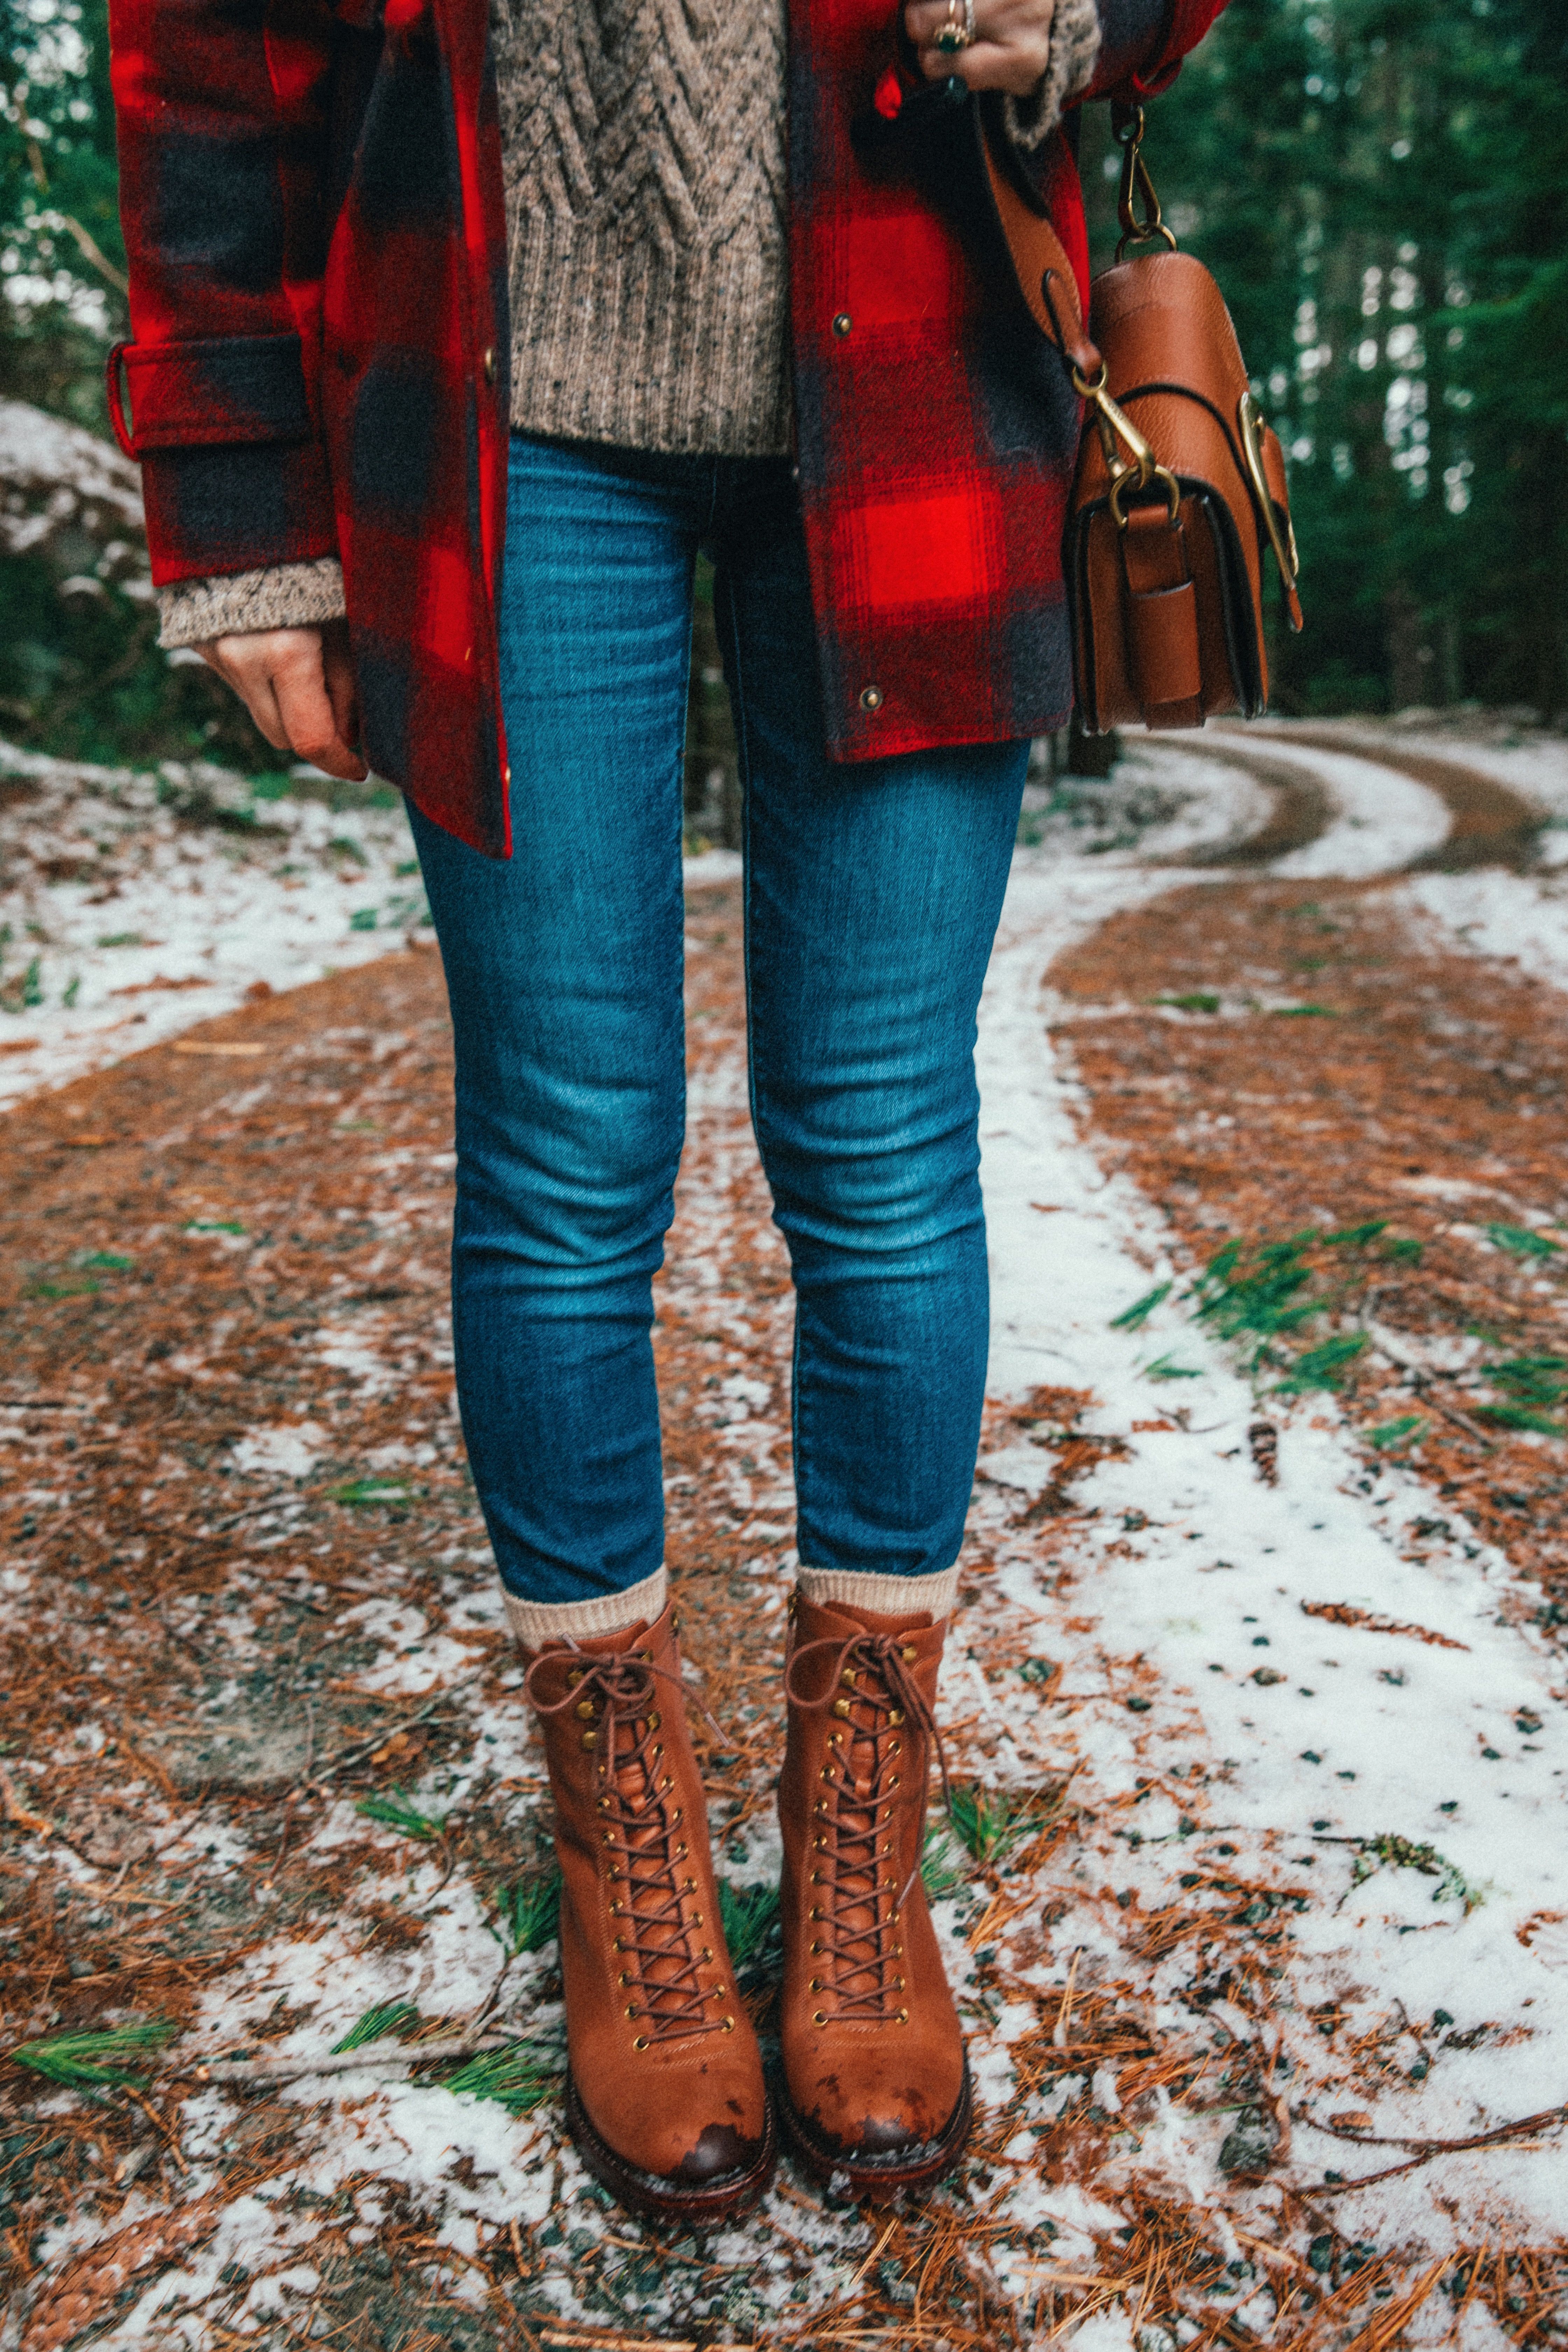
{"x": 658, "y": 2199}
{"x": 882, "y": 2175}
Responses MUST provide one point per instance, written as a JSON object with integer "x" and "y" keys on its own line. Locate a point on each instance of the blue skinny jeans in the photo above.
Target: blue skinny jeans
{"x": 872, "y": 894}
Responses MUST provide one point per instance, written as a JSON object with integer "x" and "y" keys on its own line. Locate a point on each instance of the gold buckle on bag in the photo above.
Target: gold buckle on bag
{"x": 1282, "y": 541}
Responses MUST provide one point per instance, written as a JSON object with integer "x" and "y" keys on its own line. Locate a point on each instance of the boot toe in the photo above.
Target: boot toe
{"x": 721, "y": 2151}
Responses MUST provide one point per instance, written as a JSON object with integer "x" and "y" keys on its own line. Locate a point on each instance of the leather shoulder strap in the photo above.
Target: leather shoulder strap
{"x": 1046, "y": 277}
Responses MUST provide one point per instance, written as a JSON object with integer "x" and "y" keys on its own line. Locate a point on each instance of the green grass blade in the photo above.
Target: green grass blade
{"x": 387, "y": 2016}
{"x": 1323, "y": 1366}
{"x": 1390, "y": 1435}
{"x": 530, "y": 1913}
{"x": 520, "y": 2075}
{"x": 77, "y": 2059}
{"x": 750, "y": 1918}
{"x": 1133, "y": 1318}
{"x": 1523, "y": 1241}
{"x": 942, "y": 1868}
{"x": 397, "y": 1811}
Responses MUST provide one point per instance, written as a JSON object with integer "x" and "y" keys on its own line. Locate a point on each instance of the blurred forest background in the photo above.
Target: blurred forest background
{"x": 1381, "y": 186}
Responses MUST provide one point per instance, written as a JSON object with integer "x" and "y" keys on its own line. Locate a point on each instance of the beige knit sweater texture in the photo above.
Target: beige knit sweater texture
{"x": 643, "y": 153}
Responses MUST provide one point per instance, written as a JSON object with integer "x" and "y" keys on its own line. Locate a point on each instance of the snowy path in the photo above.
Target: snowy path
{"x": 1358, "y": 1734}
{"x": 134, "y": 904}
{"x": 1387, "y": 1805}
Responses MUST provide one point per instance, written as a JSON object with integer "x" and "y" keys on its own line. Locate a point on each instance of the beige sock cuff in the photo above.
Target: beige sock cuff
{"x": 537, "y": 1622}
{"x": 888, "y": 1596}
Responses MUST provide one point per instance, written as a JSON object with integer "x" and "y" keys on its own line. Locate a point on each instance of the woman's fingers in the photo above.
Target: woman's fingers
{"x": 298, "y": 686}
{"x": 1010, "y": 51}
{"x": 337, "y": 667}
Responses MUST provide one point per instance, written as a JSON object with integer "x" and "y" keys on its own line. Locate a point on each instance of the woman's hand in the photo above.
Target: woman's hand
{"x": 298, "y": 685}
{"x": 1010, "y": 49}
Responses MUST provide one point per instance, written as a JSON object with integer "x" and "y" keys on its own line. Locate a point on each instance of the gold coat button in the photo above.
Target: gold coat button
{"x": 488, "y": 363}
{"x": 870, "y": 698}
{"x": 842, "y": 325}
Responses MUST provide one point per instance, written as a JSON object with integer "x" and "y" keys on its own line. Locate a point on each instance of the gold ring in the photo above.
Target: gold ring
{"x": 956, "y": 33}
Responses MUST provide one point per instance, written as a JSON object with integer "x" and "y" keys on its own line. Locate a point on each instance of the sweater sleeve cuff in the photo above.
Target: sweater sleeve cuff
{"x": 1075, "y": 46}
{"x": 282, "y": 596}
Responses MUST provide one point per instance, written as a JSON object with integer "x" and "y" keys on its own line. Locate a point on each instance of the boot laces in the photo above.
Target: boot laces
{"x": 641, "y": 1822}
{"x": 877, "y": 1699}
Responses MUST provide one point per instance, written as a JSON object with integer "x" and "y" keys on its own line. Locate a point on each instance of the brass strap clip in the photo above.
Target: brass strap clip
{"x": 1140, "y": 467}
{"x": 1127, "y": 123}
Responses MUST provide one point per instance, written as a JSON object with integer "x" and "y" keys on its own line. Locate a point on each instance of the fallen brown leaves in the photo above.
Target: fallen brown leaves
{"x": 1344, "y": 1612}
{"x": 1426, "y": 1092}
{"x": 318, "y": 1123}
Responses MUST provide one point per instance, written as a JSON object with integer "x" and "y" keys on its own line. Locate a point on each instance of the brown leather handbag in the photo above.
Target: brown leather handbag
{"x": 1181, "y": 485}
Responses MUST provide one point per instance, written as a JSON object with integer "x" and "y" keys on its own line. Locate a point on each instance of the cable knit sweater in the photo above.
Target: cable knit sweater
{"x": 642, "y": 146}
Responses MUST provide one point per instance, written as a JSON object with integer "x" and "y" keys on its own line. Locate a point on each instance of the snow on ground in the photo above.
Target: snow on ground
{"x": 134, "y": 904}
{"x": 1296, "y": 1740}
{"x": 1355, "y": 1735}
{"x": 1518, "y": 917}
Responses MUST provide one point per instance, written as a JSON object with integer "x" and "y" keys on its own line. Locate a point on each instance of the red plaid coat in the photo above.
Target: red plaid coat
{"x": 311, "y": 192}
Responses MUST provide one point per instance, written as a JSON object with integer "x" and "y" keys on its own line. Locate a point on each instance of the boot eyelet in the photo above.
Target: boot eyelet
{"x": 590, "y": 1740}
{"x": 574, "y": 1676}
{"x": 680, "y": 1852}
{"x": 586, "y": 1710}
{"x": 896, "y": 1778}
{"x": 668, "y": 1782}
{"x": 897, "y": 1749}
{"x": 821, "y": 1808}
{"x": 688, "y": 1886}
{"x": 729, "y": 2025}
{"x": 617, "y": 1946}
{"x": 697, "y": 1918}
{"x": 654, "y": 1721}
{"x": 606, "y": 1804}
{"x": 814, "y": 1948}
{"x": 895, "y": 1714}
{"x": 816, "y": 1985}
{"x": 847, "y": 1677}
{"x": 609, "y": 1837}
{"x": 821, "y": 1845}
{"x": 826, "y": 1773}
{"x": 718, "y": 1988}
{"x": 897, "y": 1984}
{"x": 819, "y": 2017}
{"x": 708, "y": 1954}
{"x": 909, "y": 1654}
{"x": 841, "y": 1706}
{"x": 903, "y": 2017}
{"x": 626, "y": 1978}
{"x": 631, "y": 2009}
{"x": 640, "y": 2043}
{"x": 658, "y": 1748}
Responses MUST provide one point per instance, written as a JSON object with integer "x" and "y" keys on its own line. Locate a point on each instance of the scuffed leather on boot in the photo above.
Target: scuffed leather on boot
{"x": 666, "y": 2099}
{"x": 875, "y": 2076}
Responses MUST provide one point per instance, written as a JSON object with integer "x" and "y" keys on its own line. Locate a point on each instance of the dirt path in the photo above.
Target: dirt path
{"x": 266, "y": 1768}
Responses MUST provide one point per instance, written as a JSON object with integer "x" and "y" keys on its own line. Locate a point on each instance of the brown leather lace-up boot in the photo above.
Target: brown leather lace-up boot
{"x": 665, "y": 2098}
{"x": 876, "y": 2083}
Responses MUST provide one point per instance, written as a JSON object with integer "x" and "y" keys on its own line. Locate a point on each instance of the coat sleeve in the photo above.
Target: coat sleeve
{"x": 221, "y": 109}
{"x": 1142, "y": 42}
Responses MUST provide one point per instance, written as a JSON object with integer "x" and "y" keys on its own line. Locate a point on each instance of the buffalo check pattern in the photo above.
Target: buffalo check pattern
{"x": 312, "y": 203}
